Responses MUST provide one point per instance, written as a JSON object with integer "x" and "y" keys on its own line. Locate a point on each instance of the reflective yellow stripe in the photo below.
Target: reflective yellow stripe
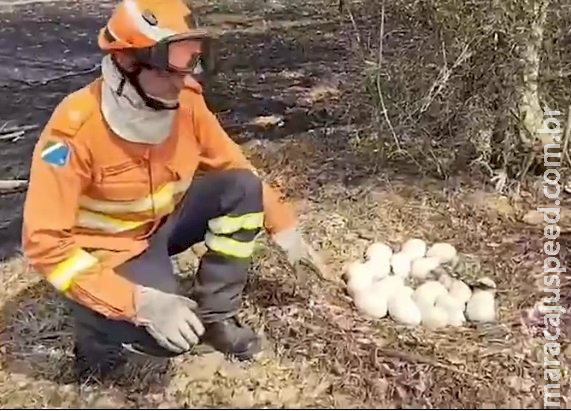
{"x": 229, "y": 246}
{"x": 64, "y": 273}
{"x": 160, "y": 199}
{"x": 87, "y": 219}
{"x": 228, "y": 224}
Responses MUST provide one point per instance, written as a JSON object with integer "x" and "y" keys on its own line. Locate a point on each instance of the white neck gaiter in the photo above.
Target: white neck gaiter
{"x": 127, "y": 115}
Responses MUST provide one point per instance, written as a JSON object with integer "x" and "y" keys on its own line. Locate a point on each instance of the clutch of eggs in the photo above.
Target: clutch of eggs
{"x": 379, "y": 287}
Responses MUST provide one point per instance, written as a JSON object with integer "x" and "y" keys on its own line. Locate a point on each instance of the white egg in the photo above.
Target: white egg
{"x": 358, "y": 284}
{"x": 445, "y": 280}
{"x": 424, "y": 303}
{"x": 456, "y": 318}
{"x": 454, "y": 309}
{"x": 414, "y": 248}
{"x": 378, "y": 269}
{"x": 435, "y": 318}
{"x": 487, "y": 282}
{"x": 422, "y": 266}
{"x": 379, "y": 252}
{"x": 404, "y": 310}
{"x": 401, "y": 293}
{"x": 460, "y": 291}
{"x": 429, "y": 292}
{"x": 481, "y": 307}
{"x": 406, "y": 291}
{"x": 354, "y": 268}
{"x": 387, "y": 286}
{"x": 401, "y": 264}
{"x": 371, "y": 304}
{"x": 448, "y": 303}
{"x": 358, "y": 277}
{"x": 443, "y": 251}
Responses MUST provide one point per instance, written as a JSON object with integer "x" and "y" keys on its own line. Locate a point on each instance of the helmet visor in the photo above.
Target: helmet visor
{"x": 187, "y": 55}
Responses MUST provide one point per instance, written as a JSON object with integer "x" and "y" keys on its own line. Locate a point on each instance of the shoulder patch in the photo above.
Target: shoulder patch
{"x": 55, "y": 153}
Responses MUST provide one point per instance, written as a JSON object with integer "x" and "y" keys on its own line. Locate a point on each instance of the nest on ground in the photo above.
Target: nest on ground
{"x": 377, "y": 361}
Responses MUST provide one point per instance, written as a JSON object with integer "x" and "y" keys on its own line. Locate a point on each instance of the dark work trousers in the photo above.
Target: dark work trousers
{"x": 220, "y": 278}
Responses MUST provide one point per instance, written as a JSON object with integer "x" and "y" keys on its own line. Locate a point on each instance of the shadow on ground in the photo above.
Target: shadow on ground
{"x": 36, "y": 341}
{"x": 36, "y": 334}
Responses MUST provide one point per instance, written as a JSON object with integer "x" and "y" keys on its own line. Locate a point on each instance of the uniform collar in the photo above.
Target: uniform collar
{"x": 126, "y": 112}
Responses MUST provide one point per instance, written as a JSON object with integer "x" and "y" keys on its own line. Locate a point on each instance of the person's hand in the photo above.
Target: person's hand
{"x": 169, "y": 318}
{"x": 297, "y": 250}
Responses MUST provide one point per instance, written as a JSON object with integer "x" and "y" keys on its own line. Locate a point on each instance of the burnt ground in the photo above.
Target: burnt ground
{"x": 292, "y": 62}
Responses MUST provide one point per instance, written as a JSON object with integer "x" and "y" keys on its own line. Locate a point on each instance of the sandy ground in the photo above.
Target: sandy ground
{"x": 288, "y": 90}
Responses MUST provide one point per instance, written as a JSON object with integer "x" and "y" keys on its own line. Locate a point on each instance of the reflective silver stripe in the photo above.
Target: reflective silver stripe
{"x": 160, "y": 199}
{"x": 104, "y": 223}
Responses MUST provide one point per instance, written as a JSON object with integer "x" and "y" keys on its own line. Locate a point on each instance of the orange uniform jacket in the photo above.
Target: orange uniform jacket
{"x": 98, "y": 209}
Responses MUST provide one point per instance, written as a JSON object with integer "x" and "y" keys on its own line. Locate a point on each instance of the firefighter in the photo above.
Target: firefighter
{"x": 133, "y": 169}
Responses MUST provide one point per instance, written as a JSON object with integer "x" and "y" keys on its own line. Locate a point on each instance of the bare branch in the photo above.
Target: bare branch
{"x": 23, "y": 2}
{"x": 357, "y": 34}
{"x": 10, "y": 130}
{"x": 60, "y": 77}
{"x": 379, "y": 86}
{"x": 15, "y": 133}
{"x": 12, "y": 185}
{"x": 443, "y": 77}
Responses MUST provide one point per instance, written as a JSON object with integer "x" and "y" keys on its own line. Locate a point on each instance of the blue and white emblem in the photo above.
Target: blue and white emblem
{"x": 56, "y": 153}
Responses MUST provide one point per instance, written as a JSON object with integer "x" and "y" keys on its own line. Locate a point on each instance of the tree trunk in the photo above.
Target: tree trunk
{"x": 530, "y": 108}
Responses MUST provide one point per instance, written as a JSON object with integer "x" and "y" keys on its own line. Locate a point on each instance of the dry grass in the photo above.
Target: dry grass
{"x": 395, "y": 366}
{"x": 319, "y": 351}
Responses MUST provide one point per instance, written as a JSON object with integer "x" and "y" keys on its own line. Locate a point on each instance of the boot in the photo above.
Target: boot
{"x": 232, "y": 338}
{"x": 96, "y": 358}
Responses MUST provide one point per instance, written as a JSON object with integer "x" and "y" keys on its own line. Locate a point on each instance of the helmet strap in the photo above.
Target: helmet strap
{"x": 133, "y": 78}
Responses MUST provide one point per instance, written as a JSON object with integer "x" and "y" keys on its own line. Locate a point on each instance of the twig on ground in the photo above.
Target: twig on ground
{"x": 11, "y": 185}
{"x": 60, "y": 77}
{"x": 379, "y": 87}
{"x": 24, "y": 2}
{"x": 357, "y": 34}
{"x": 8, "y": 130}
{"x": 15, "y": 133}
{"x": 415, "y": 358}
{"x": 14, "y": 136}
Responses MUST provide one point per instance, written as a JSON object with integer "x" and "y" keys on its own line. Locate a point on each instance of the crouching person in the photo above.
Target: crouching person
{"x": 113, "y": 195}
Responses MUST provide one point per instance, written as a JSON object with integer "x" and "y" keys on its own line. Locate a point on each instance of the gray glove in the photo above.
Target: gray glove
{"x": 291, "y": 241}
{"x": 169, "y": 318}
